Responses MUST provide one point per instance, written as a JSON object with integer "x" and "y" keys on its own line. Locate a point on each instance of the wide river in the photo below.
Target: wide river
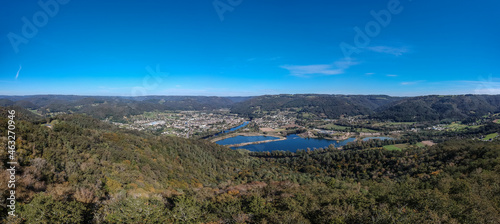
{"x": 228, "y": 130}
{"x": 379, "y": 138}
{"x": 292, "y": 143}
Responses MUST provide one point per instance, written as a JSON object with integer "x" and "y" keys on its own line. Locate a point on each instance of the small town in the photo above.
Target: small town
{"x": 183, "y": 123}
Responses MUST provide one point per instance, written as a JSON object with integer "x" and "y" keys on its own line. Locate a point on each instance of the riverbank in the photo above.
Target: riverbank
{"x": 338, "y": 137}
{"x": 223, "y": 133}
{"x": 230, "y": 135}
{"x": 257, "y": 142}
{"x": 308, "y": 134}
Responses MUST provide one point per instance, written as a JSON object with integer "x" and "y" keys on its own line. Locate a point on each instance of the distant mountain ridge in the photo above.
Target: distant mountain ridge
{"x": 116, "y": 107}
{"x": 434, "y": 107}
{"x": 329, "y": 106}
{"x": 420, "y": 108}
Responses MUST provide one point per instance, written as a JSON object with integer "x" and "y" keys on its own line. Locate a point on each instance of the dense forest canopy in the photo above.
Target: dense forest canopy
{"x": 83, "y": 170}
{"x": 429, "y": 108}
{"x": 115, "y": 108}
{"x": 399, "y": 109}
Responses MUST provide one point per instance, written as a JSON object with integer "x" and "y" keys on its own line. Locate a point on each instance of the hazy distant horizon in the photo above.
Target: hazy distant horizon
{"x": 76, "y": 95}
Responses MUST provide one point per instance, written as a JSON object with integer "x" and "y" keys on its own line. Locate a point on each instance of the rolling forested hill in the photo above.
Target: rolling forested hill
{"x": 329, "y": 106}
{"x": 433, "y": 108}
{"x": 421, "y": 108}
{"x": 115, "y": 108}
{"x": 82, "y": 170}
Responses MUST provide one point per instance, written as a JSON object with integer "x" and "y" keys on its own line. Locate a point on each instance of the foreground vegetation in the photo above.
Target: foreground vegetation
{"x": 84, "y": 171}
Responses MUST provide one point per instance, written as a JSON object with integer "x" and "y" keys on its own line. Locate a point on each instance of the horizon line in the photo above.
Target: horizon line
{"x": 330, "y": 94}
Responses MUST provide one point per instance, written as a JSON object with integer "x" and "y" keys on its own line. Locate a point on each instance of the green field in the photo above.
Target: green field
{"x": 401, "y": 123}
{"x": 334, "y": 127}
{"x": 497, "y": 121}
{"x": 365, "y": 130}
{"x": 35, "y": 112}
{"x": 398, "y": 147}
{"x": 344, "y": 128}
{"x": 307, "y": 115}
{"x": 391, "y": 147}
{"x": 490, "y": 136}
{"x": 457, "y": 126}
{"x": 393, "y": 123}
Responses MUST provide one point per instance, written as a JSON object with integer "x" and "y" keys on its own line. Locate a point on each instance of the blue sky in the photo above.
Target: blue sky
{"x": 249, "y": 47}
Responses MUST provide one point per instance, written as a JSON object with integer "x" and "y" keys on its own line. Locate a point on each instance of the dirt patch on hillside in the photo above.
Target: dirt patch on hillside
{"x": 266, "y": 129}
{"x": 428, "y": 143}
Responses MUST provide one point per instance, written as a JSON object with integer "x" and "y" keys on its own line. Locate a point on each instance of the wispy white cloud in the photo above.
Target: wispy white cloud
{"x": 335, "y": 68}
{"x": 17, "y": 74}
{"x": 493, "y": 91}
{"x": 369, "y": 73}
{"x": 391, "y": 75}
{"x": 489, "y": 85}
{"x": 397, "y": 51}
{"x": 412, "y": 83}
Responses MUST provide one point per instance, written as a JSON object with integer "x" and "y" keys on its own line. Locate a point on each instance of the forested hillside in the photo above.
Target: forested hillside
{"x": 81, "y": 170}
{"x": 328, "y": 106}
{"x": 434, "y": 108}
{"x": 116, "y": 108}
{"x": 399, "y": 109}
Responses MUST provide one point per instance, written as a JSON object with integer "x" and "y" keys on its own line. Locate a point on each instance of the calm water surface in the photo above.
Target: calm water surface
{"x": 229, "y": 130}
{"x": 380, "y": 138}
{"x": 292, "y": 143}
